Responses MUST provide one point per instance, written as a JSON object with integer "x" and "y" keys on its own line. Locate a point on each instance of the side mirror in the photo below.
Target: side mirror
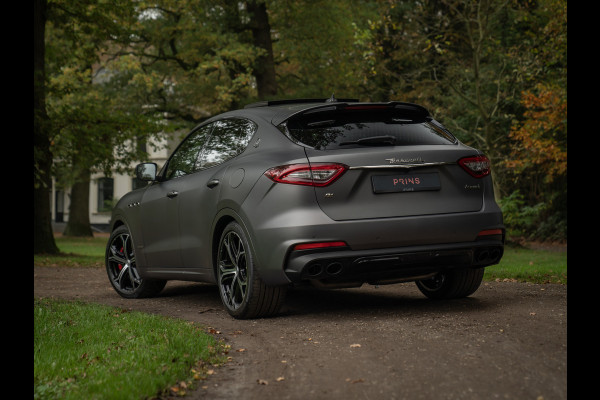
{"x": 146, "y": 171}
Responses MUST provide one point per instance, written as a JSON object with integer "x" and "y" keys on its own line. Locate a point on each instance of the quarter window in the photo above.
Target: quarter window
{"x": 228, "y": 139}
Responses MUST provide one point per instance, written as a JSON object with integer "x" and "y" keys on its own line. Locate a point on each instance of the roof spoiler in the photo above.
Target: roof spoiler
{"x": 299, "y": 101}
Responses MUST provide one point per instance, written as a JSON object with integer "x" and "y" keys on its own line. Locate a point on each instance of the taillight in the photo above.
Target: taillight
{"x": 316, "y": 174}
{"x": 476, "y": 166}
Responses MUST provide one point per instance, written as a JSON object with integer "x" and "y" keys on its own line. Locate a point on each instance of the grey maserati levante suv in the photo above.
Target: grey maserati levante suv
{"x": 333, "y": 192}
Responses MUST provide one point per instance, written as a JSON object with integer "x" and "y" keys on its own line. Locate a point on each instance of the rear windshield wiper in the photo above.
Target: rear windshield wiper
{"x": 373, "y": 141}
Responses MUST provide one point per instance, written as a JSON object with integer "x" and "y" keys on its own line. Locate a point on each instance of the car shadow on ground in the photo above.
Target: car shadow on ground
{"x": 368, "y": 300}
{"x": 365, "y": 300}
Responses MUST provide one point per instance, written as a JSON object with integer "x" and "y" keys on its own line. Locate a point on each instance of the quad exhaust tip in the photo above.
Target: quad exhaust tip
{"x": 317, "y": 270}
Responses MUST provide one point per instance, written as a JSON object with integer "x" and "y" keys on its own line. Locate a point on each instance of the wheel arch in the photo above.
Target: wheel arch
{"x": 222, "y": 219}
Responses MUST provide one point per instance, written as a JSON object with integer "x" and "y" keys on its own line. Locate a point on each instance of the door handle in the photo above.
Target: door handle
{"x": 212, "y": 183}
{"x": 172, "y": 194}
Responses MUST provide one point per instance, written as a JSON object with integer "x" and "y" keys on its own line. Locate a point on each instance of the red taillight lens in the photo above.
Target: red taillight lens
{"x": 317, "y": 174}
{"x": 319, "y": 245}
{"x": 477, "y": 166}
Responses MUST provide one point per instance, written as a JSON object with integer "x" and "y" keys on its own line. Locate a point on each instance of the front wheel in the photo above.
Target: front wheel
{"x": 121, "y": 267}
{"x": 242, "y": 291}
{"x": 452, "y": 284}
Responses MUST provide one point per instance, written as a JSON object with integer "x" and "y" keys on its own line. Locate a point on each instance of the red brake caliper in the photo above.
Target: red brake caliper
{"x": 120, "y": 266}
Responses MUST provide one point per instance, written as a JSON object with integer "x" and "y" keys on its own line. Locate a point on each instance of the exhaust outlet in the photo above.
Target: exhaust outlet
{"x": 315, "y": 270}
{"x": 483, "y": 256}
{"x": 334, "y": 268}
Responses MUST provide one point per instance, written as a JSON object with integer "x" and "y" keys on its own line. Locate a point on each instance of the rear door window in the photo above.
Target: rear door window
{"x": 229, "y": 138}
{"x": 184, "y": 160}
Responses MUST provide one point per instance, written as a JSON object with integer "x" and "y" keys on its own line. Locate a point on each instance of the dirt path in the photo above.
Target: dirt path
{"x": 508, "y": 341}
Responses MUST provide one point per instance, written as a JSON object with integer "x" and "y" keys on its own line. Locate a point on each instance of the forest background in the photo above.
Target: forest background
{"x": 112, "y": 76}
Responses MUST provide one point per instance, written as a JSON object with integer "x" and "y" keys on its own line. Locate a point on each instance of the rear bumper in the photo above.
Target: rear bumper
{"x": 378, "y": 248}
{"x": 353, "y": 267}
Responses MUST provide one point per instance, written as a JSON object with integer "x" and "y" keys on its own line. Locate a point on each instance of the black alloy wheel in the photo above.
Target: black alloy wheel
{"x": 243, "y": 293}
{"x": 122, "y": 270}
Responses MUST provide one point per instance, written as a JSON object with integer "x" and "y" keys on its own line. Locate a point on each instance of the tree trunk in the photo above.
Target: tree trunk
{"x": 43, "y": 238}
{"x": 79, "y": 216}
{"x": 264, "y": 70}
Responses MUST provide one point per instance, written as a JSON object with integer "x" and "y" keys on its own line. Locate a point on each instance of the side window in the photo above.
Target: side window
{"x": 229, "y": 138}
{"x": 185, "y": 159}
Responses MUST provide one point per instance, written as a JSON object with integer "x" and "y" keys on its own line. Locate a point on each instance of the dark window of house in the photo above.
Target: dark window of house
{"x": 229, "y": 138}
{"x": 105, "y": 194}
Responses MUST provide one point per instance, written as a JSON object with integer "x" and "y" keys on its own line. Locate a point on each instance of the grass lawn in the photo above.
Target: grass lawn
{"x": 89, "y": 351}
{"x": 527, "y": 265}
{"x": 76, "y": 252}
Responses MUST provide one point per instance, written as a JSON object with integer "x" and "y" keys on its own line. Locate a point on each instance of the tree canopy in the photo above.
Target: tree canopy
{"x": 494, "y": 71}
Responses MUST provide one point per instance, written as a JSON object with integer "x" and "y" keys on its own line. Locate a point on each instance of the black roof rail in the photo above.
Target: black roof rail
{"x": 297, "y": 101}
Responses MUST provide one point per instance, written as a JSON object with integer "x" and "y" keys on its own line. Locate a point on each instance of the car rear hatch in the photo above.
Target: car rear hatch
{"x": 399, "y": 161}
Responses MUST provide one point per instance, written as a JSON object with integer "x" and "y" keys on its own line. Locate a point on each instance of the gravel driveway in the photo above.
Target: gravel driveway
{"x": 507, "y": 341}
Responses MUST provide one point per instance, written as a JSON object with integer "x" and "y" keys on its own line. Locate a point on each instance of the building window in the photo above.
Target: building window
{"x": 105, "y": 194}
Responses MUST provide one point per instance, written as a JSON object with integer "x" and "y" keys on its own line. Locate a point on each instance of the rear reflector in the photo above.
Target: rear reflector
{"x": 316, "y": 174}
{"x": 319, "y": 245}
{"x": 476, "y": 166}
{"x": 489, "y": 232}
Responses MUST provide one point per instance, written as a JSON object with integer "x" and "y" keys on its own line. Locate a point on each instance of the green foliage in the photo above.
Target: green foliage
{"x": 96, "y": 111}
{"x": 519, "y": 218}
{"x": 478, "y": 67}
{"x": 92, "y": 351}
{"x": 121, "y": 73}
{"x": 542, "y": 221}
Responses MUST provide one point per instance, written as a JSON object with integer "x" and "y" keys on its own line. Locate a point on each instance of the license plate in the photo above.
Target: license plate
{"x": 405, "y": 182}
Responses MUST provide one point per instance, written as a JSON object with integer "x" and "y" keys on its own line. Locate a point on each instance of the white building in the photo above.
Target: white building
{"x": 106, "y": 191}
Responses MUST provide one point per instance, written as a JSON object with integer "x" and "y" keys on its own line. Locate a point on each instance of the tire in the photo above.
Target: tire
{"x": 452, "y": 284}
{"x": 243, "y": 293}
{"x": 121, "y": 267}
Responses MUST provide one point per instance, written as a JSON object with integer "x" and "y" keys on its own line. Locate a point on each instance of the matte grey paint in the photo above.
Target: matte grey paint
{"x": 175, "y": 235}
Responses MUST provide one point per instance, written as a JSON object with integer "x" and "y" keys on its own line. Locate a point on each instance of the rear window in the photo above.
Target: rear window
{"x": 331, "y": 129}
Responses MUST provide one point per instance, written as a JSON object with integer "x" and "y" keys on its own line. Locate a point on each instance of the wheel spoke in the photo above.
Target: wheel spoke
{"x": 239, "y": 290}
{"x": 123, "y": 273}
{"x": 232, "y": 270}
{"x": 230, "y": 252}
{"x": 116, "y": 257}
{"x": 227, "y": 273}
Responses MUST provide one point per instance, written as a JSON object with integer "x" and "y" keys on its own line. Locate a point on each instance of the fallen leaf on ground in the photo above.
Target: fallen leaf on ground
{"x": 262, "y": 382}
{"x": 281, "y": 378}
{"x": 355, "y": 380}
